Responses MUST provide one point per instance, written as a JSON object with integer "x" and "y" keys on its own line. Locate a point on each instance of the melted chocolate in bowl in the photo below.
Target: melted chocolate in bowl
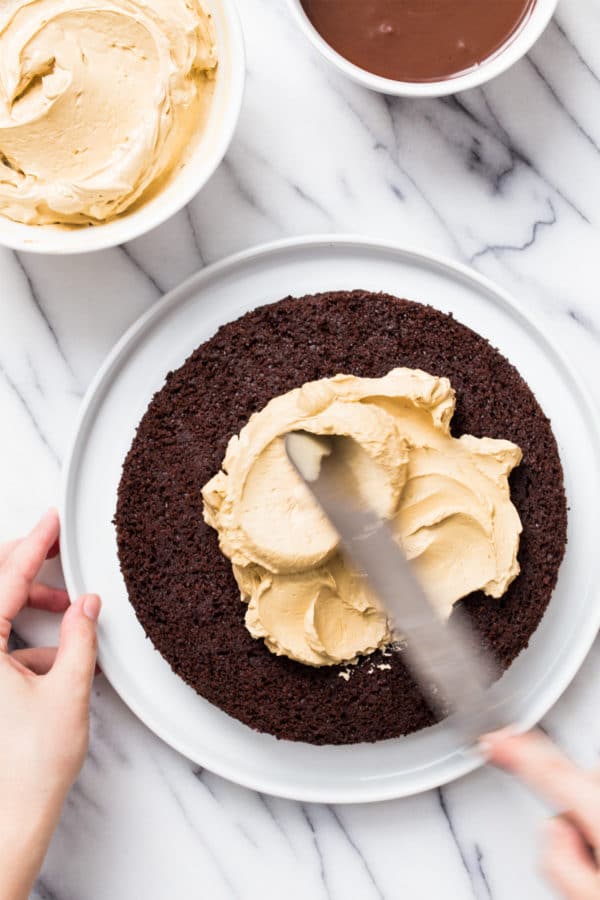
{"x": 417, "y": 40}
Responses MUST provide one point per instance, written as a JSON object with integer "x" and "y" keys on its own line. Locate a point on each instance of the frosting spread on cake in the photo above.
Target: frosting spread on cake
{"x": 448, "y": 500}
{"x": 98, "y": 100}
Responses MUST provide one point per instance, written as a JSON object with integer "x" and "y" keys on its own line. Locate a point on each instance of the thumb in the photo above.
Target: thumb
{"x": 76, "y": 657}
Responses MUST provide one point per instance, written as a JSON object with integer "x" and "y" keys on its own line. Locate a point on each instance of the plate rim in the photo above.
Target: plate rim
{"x": 462, "y": 764}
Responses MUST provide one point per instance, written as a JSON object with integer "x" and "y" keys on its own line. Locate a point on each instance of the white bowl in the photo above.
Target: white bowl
{"x": 200, "y": 165}
{"x": 506, "y": 56}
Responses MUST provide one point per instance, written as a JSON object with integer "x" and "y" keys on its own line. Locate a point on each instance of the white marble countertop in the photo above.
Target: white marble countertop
{"x": 506, "y": 178}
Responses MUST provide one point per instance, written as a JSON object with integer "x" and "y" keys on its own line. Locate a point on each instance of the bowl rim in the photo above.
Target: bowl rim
{"x": 54, "y": 240}
{"x": 532, "y": 28}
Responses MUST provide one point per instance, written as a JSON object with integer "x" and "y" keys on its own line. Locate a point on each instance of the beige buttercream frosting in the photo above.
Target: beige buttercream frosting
{"x": 98, "y": 101}
{"x": 447, "y": 498}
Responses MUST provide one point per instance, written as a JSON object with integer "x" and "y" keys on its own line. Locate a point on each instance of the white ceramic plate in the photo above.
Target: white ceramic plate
{"x": 161, "y": 340}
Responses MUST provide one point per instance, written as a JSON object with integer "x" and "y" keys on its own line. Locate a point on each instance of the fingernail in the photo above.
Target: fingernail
{"x": 51, "y": 513}
{"x": 91, "y": 606}
{"x": 487, "y": 742}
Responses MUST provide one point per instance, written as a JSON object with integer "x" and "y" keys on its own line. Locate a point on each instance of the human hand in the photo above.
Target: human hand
{"x": 44, "y": 708}
{"x": 571, "y": 849}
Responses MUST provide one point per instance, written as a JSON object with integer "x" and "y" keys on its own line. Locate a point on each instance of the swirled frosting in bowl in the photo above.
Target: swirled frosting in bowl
{"x": 98, "y": 101}
{"x": 447, "y": 498}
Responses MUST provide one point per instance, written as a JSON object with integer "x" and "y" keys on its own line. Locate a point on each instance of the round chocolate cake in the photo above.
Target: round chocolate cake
{"x": 182, "y": 587}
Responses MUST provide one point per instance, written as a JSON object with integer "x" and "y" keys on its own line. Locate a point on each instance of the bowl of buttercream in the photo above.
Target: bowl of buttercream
{"x": 113, "y": 115}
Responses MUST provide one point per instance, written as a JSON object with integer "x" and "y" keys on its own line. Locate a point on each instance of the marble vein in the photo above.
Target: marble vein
{"x": 36, "y": 300}
{"x": 184, "y": 812}
{"x": 265, "y": 801}
{"x": 562, "y": 106}
{"x": 453, "y": 834}
{"x": 318, "y": 851}
{"x": 246, "y": 195}
{"x": 79, "y": 796}
{"x": 132, "y": 259}
{"x": 584, "y": 322}
{"x": 555, "y": 24}
{"x": 195, "y": 234}
{"x": 314, "y": 203}
{"x": 198, "y": 773}
{"x": 104, "y": 741}
{"x": 519, "y": 248}
{"x": 369, "y": 872}
{"x": 20, "y": 396}
{"x": 516, "y": 156}
{"x": 482, "y": 874}
{"x": 42, "y": 891}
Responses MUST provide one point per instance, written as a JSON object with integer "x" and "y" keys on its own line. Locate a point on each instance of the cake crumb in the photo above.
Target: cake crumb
{"x": 398, "y": 646}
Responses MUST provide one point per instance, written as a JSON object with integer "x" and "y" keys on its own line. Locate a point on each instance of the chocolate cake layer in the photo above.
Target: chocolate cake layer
{"x": 182, "y": 587}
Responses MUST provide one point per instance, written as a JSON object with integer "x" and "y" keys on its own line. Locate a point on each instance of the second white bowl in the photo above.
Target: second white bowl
{"x": 505, "y": 57}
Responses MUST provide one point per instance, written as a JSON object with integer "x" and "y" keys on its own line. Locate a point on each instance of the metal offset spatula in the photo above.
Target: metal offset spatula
{"x": 439, "y": 654}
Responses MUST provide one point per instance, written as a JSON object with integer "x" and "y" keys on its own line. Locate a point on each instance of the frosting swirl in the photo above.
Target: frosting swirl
{"x": 98, "y": 99}
{"x": 448, "y": 499}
